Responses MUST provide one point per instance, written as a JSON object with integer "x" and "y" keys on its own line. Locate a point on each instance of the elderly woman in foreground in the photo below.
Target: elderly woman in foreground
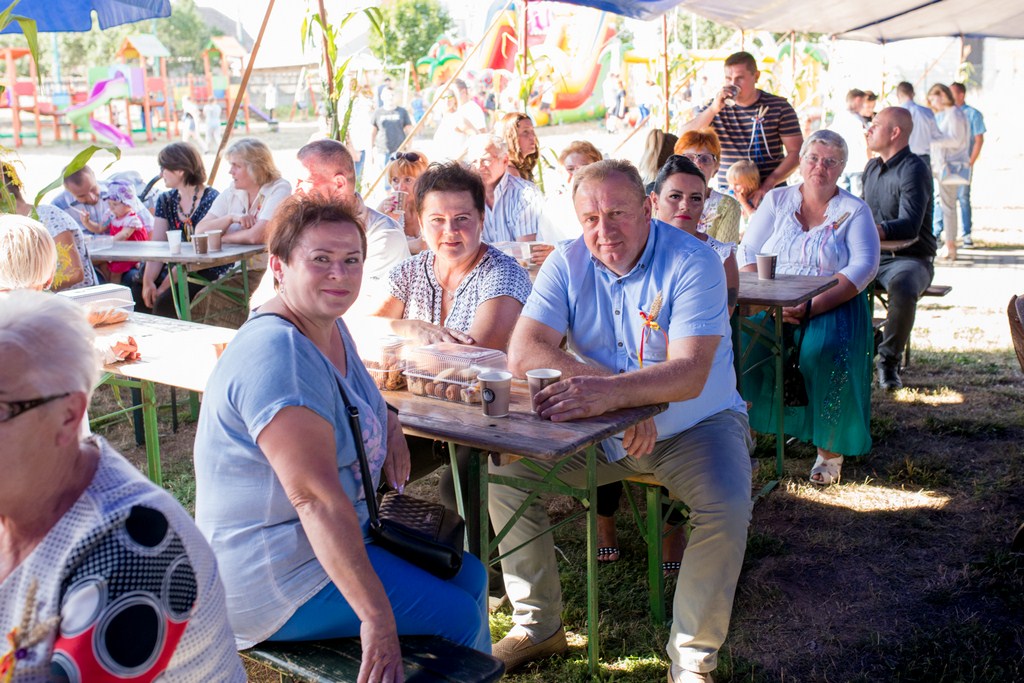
{"x": 278, "y": 489}
{"x": 816, "y": 228}
{"x": 100, "y": 569}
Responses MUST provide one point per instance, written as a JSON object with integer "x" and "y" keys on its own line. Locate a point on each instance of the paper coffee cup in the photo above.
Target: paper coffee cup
{"x": 538, "y": 379}
{"x": 215, "y": 237}
{"x": 766, "y": 264}
{"x": 174, "y": 241}
{"x": 495, "y": 392}
{"x": 201, "y": 242}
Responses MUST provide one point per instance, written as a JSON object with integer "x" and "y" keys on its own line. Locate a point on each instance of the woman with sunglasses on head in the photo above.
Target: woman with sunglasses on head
{"x": 523, "y": 148}
{"x": 817, "y": 228}
{"x": 402, "y": 171}
{"x": 721, "y": 215}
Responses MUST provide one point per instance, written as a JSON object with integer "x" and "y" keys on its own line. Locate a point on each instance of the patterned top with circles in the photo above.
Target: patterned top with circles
{"x": 131, "y": 586}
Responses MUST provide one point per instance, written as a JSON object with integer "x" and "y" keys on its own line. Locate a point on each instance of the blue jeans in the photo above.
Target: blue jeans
{"x": 422, "y": 604}
{"x": 359, "y": 164}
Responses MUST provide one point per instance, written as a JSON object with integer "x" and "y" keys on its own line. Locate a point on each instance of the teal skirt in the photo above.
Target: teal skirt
{"x": 835, "y": 360}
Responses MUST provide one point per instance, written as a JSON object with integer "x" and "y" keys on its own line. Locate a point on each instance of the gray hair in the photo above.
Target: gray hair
{"x": 480, "y": 142}
{"x": 828, "y": 138}
{"x": 602, "y": 170}
{"x": 54, "y": 340}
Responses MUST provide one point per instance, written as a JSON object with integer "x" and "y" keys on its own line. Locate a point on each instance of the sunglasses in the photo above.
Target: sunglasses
{"x": 411, "y": 157}
{"x": 700, "y": 158}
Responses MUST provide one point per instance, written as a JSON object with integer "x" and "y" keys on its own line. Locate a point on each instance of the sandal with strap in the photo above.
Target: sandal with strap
{"x": 827, "y": 470}
{"x": 608, "y": 553}
{"x": 670, "y": 569}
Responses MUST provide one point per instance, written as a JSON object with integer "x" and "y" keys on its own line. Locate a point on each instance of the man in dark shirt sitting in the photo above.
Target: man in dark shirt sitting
{"x": 898, "y": 188}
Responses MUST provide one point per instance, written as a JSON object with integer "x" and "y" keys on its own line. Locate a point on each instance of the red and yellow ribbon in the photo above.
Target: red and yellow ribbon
{"x": 649, "y": 325}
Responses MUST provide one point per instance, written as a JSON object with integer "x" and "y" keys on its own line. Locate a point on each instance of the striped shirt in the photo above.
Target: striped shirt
{"x": 735, "y": 128}
{"x": 518, "y": 205}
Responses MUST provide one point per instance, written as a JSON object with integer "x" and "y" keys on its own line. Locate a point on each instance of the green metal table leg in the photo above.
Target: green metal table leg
{"x": 245, "y": 282}
{"x": 780, "y": 418}
{"x": 655, "y": 578}
{"x": 593, "y": 638}
{"x": 152, "y": 435}
{"x": 180, "y": 284}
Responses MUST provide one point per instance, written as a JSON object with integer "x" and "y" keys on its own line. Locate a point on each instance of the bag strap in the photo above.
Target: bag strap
{"x": 357, "y": 435}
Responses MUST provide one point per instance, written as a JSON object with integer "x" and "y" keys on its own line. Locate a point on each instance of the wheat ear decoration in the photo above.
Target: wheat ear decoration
{"x": 656, "y": 307}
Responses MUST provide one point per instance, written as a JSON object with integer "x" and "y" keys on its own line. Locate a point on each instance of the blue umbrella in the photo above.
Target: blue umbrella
{"x": 76, "y": 15}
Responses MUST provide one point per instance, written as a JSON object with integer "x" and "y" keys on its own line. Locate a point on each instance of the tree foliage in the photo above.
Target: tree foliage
{"x": 410, "y": 28}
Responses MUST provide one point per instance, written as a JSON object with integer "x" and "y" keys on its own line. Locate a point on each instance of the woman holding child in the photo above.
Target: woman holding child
{"x": 278, "y": 488}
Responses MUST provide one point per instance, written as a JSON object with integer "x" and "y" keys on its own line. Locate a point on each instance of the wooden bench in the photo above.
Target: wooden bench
{"x": 427, "y": 659}
{"x": 879, "y": 323}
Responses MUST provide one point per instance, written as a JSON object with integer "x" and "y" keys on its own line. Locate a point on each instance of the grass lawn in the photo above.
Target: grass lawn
{"x": 900, "y": 573}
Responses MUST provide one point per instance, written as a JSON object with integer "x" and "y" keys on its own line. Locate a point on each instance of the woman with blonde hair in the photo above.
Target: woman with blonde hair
{"x": 657, "y": 149}
{"x": 517, "y": 131}
{"x": 243, "y": 210}
{"x": 29, "y": 254}
{"x": 402, "y": 172}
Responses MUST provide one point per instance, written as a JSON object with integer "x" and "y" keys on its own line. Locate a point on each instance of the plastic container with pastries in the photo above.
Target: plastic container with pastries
{"x": 448, "y": 371}
{"x": 385, "y": 364}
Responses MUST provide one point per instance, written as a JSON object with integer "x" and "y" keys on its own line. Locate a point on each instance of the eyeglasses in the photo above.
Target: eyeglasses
{"x": 12, "y": 409}
{"x": 411, "y": 157}
{"x": 827, "y": 162}
{"x": 701, "y": 158}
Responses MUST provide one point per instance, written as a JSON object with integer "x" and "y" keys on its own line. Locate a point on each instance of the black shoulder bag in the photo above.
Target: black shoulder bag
{"x": 426, "y": 534}
{"x": 794, "y": 388}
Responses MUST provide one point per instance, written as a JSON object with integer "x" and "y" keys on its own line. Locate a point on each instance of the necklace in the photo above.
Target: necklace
{"x": 186, "y": 218}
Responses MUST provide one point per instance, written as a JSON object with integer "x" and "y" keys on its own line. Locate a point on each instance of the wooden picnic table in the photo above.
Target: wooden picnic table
{"x": 782, "y": 292}
{"x": 546, "y": 444}
{"x": 172, "y": 352}
{"x": 184, "y": 265}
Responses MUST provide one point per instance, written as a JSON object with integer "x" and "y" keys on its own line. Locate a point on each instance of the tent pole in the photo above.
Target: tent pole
{"x": 498, "y": 16}
{"x": 664, "y": 44}
{"x": 238, "y": 97}
{"x": 524, "y": 50}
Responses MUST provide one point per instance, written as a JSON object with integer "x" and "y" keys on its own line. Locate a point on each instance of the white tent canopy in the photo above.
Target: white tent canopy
{"x": 872, "y": 20}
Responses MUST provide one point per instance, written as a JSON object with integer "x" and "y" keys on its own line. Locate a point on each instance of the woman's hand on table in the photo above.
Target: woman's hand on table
{"x": 382, "y": 654}
{"x": 428, "y": 333}
{"x": 639, "y": 439}
{"x": 244, "y": 220}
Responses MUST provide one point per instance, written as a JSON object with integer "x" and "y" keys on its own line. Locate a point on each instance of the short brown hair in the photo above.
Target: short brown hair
{"x": 332, "y": 154}
{"x": 604, "y": 169}
{"x": 298, "y": 213}
{"x": 705, "y": 137}
{"x": 183, "y": 156}
{"x": 450, "y": 177}
{"x": 742, "y": 59}
{"x": 580, "y": 147}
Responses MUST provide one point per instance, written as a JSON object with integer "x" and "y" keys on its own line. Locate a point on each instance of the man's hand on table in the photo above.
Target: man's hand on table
{"x": 575, "y": 398}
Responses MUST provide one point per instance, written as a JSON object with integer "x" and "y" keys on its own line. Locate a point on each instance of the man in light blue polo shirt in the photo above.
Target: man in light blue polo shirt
{"x": 600, "y": 291}
{"x": 978, "y": 130}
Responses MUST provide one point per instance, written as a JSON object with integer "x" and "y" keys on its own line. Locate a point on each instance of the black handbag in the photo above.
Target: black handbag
{"x": 794, "y": 387}
{"x": 426, "y": 534}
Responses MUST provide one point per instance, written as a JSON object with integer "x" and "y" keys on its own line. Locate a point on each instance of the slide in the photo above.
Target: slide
{"x": 101, "y": 94}
{"x": 260, "y": 114}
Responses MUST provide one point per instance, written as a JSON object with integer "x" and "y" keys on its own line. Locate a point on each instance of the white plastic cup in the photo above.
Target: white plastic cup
{"x": 174, "y": 241}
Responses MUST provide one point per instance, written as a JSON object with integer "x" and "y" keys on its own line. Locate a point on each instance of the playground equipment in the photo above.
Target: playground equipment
{"x": 102, "y": 94}
{"x": 21, "y": 95}
{"x": 570, "y": 48}
{"x": 225, "y": 49}
{"x": 150, "y": 93}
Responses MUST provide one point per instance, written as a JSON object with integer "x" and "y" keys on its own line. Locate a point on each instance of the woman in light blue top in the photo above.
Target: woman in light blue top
{"x": 278, "y": 488}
